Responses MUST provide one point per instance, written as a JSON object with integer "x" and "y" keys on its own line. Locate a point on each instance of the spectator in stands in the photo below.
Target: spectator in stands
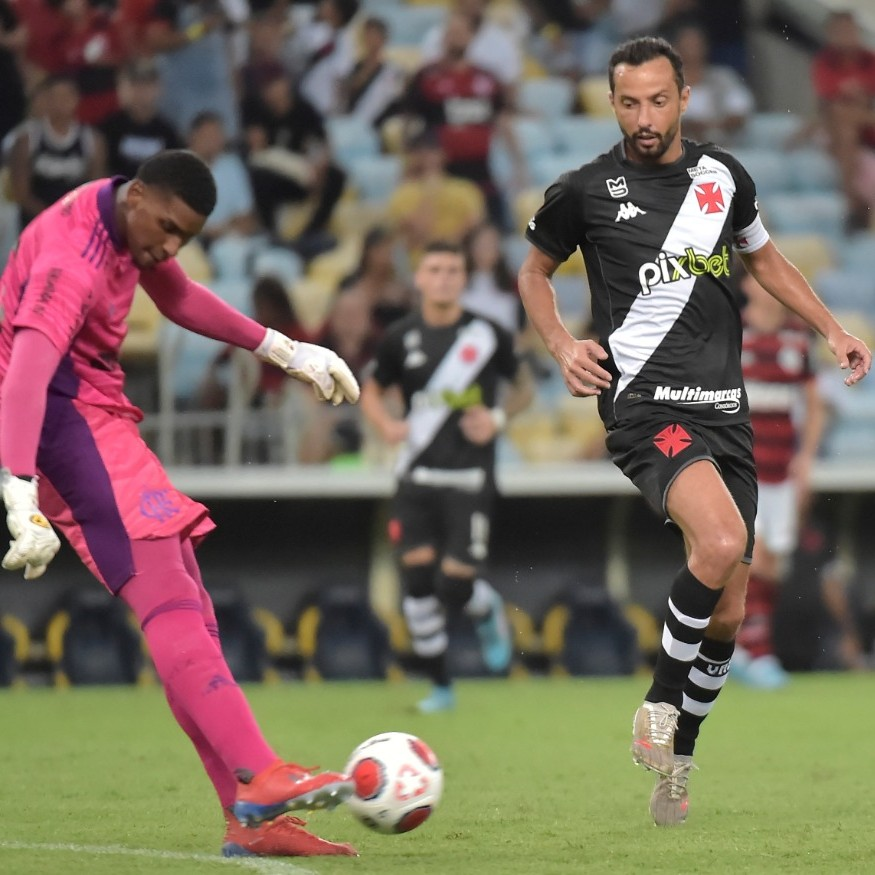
{"x": 720, "y": 102}
{"x": 197, "y": 62}
{"x": 138, "y": 130}
{"x": 788, "y": 416}
{"x": 13, "y": 38}
{"x": 465, "y": 105}
{"x": 53, "y": 153}
{"x": 844, "y": 81}
{"x": 429, "y": 204}
{"x": 272, "y": 306}
{"x": 88, "y": 46}
{"x": 234, "y": 213}
{"x": 490, "y": 47}
{"x": 289, "y": 156}
{"x": 323, "y": 51}
{"x": 492, "y": 288}
{"x": 328, "y": 434}
{"x": 372, "y": 88}
{"x": 375, "y": 280}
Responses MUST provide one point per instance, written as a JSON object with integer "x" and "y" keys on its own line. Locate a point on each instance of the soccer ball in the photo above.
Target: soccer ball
{"x": 398, "y": 782}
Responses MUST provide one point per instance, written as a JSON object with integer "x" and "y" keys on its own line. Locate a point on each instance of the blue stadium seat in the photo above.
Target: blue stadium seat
{"x": 277, "y": 261}
{"x": 546, "y": 169}
{"x": 765, "y": 130}
{"x": 351, "y": 138}
{"x": 581, "y": 138}
{"x": 408, "y": 24}
{"x": 551, "y": 97}
{"x": 533, "y": 136}
{"x": 231, "y": 255}
{"x": 375, "y": 177}
{"x": 847, "y": 289}
{"x": 515, "y": 248}
{"x": 812, "y": 170}
{"x": 234, "y": 290}
{"x": 770, "y": 170}
{"x": 858, "y": 253}
{"x": 813, "y": 212}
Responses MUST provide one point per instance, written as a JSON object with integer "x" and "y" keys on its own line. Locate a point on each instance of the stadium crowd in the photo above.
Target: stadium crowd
{"x": 346, "y": 135}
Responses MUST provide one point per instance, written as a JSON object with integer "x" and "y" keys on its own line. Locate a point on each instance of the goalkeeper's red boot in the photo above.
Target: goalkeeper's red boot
{"x": 284, "y": 787}
{"x": 283, "y": 837}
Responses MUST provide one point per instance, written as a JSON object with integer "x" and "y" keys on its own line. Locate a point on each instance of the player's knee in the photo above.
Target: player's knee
{"x": 419, "y": 580}
{"x": 454, "y": 592}
{"x": 723, "y": 548}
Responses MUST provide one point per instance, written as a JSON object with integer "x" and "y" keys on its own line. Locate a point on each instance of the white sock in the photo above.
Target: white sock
{"x": 481, "y": 601}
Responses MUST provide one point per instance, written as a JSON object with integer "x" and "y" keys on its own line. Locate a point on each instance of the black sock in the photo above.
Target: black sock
{"x": 707, "y": 676}
{"x": 691, "y": 604}
{"x": 435, "y": 669}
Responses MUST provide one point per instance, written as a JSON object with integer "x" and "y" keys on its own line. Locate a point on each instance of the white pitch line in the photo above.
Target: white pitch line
{"x": 258, "y": 864}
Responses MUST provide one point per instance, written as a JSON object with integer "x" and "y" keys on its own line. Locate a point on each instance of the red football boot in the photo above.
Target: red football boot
{"x": 283, "y": 837}
{"x": 284, "y": 787}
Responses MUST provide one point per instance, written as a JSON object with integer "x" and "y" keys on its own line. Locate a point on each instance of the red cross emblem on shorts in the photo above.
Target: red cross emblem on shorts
{"x": 710, "y": 197}
{"x": 672, "y": 440}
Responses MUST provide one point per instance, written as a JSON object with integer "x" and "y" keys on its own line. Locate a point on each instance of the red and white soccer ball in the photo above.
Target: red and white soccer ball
{"x": 398, "y": 782}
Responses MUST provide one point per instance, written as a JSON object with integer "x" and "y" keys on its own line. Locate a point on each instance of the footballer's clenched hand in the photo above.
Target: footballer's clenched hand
{"x": 329, "y": 374}
{"x": 34, "y": 542}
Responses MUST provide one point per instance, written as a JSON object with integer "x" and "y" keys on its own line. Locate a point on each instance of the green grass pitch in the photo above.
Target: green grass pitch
{"x": 538, "y": 781}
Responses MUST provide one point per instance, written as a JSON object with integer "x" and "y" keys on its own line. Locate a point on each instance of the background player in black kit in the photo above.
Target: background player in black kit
{"x": 656, "y": 219}
{"x": 448, "y": 364}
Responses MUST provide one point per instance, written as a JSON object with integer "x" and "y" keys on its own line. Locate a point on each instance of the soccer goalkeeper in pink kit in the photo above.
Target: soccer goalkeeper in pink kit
{"x": 72, "y": 457}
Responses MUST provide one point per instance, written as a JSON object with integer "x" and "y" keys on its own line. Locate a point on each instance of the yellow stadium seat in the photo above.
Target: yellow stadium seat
{"x": 312, "y": 298}
{"x": 144, "y": 326}
{"x": 337, "y": 263}
{"x": 525, "y": 205}
{"x": 592, "y": 93}
{"x": 193, "y": 260}
{"x": 811, "y": 253}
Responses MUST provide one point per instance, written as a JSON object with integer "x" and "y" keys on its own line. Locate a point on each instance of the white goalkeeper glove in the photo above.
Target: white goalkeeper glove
{"x": 329, "y": 374}
{"x": 34, "y": 542}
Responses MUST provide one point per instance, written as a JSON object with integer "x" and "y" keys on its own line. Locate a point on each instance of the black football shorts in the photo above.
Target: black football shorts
{"x": 652, "y": 452}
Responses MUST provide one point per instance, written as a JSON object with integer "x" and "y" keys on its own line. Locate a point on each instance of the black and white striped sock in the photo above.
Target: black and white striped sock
{"x": 690, "y": 606}
{"x": 707, "y": 677}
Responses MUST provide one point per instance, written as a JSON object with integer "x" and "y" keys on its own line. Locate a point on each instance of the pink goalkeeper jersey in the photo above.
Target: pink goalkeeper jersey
{"x": 71, "y": 279}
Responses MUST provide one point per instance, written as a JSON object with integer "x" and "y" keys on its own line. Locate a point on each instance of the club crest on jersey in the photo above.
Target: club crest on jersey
{"x": 628, "y": 211}
{"x": 617, "y": 187}
{"x": 710, "y": 198}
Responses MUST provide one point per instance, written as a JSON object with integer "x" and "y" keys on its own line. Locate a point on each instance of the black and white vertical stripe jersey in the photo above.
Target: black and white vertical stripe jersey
{"x": 442, "y": 371}
{"x": 657, "y": 241}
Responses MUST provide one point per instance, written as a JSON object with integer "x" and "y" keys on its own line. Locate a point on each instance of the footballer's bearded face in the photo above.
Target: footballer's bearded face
{"x": 648, "y": 105}
{"x": 157, "y": 224}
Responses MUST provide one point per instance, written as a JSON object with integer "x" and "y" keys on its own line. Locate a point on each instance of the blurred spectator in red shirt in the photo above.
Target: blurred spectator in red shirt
{"x": 844, "y": 80}
{"x": 88, "y": 47}
{"x": 466, "y": 106}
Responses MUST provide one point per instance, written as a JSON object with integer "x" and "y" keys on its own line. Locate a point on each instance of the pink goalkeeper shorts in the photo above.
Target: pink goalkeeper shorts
{"x": 103, "y": 487}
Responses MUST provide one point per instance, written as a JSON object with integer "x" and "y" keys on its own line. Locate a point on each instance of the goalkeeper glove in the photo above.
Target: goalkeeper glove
{"x": 34, "y": 542}
{"x": 329, "y": 374}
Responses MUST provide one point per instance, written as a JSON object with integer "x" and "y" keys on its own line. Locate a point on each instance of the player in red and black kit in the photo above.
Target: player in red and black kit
{"x": 787, "y": 414}
{"x": 656, "y": 219}
{"x": 465, "y": 105}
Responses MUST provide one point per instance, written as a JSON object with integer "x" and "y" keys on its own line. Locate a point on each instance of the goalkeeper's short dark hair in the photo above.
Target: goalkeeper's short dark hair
{"x": 181, "y": 173}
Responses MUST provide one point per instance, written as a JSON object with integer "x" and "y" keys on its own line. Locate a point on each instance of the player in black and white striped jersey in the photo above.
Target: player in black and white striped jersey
{"x": 657, "y": 218}
{"x": 448, "y": 364}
